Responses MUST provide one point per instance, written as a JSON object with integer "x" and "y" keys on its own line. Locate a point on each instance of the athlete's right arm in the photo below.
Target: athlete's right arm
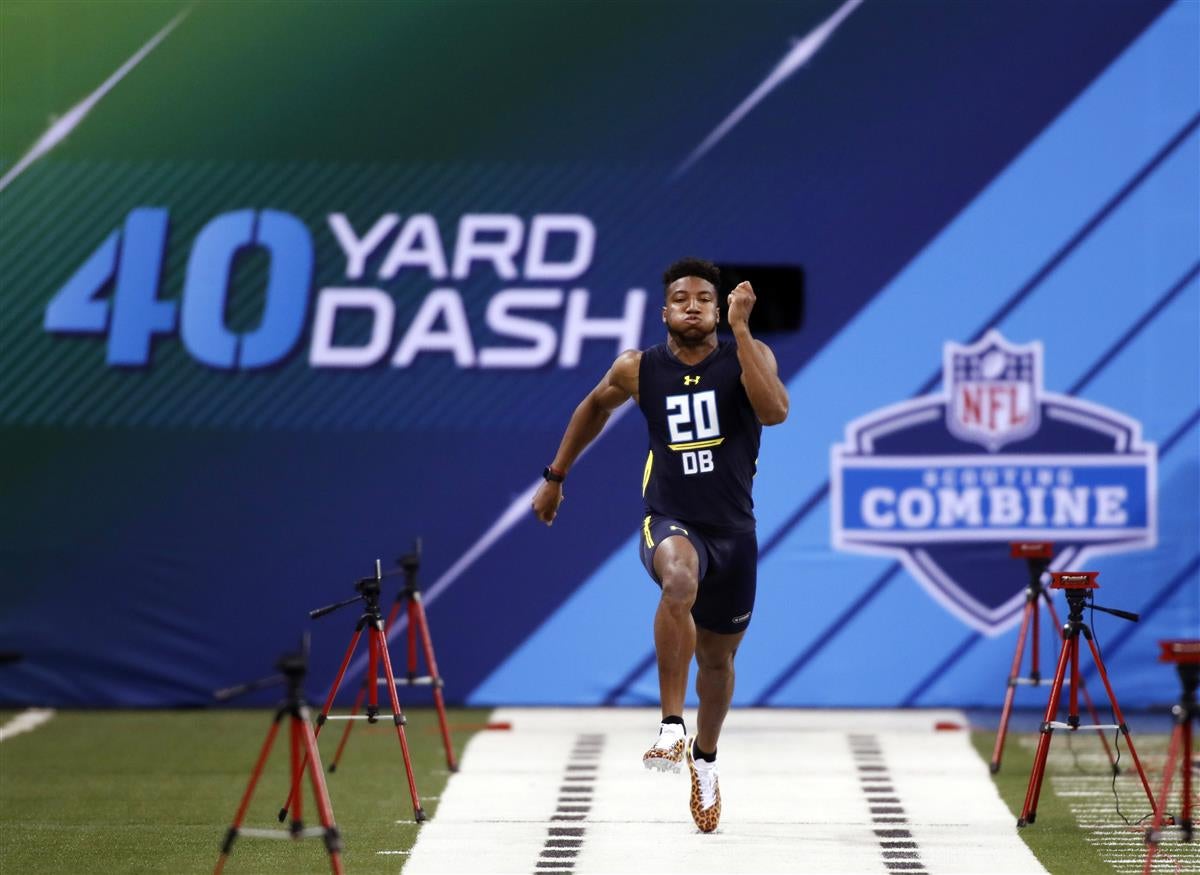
{"x": 614, "y": 389}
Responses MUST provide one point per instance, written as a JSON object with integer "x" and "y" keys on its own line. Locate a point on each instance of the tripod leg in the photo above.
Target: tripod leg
{"x": 373, "y": 673}
{"x": 1013, "y": 674}
{"x": 411, "y": 637}
{"x": 333, "y": 841}
{"x": 431, "y": 661}
{"x": 392, "y": 615}
{"x": 1185, "y": 816}
{"x": 398, "y": 719}
{"x": 337, "y": 756}
{"x": 333, "y": 691}
{"x": 1112, "y": 759}
{"x": 1035, "y": 673}
{"x": 1154, "y": 833}
{"x": 1029, "y": 811}
{"x": 297, "y": 775}
{"x": 1073, "y": 706}
{"x": 1112, "y": 697}
{"x": 255, "y": 773}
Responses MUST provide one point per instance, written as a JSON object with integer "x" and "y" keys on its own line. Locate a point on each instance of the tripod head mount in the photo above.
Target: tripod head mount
{"x": 292, "y": 668}
{"x": 410, "y": 562}
{"x": 1185, "y": 654}
{"x": 1037, "y": 555}
{"x": 1078, "y": 587}
{"x": 367, "y": 589}
{"x": 1031, "y": 550}
{"x": 1181, "y": 651}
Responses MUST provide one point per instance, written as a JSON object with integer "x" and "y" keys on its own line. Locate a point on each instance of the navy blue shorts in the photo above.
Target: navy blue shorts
{"x": 728, "y": 571}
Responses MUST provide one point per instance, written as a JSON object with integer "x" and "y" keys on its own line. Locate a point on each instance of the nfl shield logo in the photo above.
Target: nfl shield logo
{"x": 992, "y": 387}
{"x": 910, "y": 481}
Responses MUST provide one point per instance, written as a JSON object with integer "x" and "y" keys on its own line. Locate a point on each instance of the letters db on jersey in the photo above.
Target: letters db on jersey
{"x": 944, "y": 482}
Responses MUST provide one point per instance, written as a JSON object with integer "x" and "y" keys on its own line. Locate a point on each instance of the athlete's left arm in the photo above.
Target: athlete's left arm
{"x": 760, "y": 373}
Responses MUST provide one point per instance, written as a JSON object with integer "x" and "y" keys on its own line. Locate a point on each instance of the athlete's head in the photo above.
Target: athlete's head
{"x": 690, "y": 309}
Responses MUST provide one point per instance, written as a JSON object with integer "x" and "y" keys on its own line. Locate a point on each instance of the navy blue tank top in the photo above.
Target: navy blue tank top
{"x": 704, "y": 438}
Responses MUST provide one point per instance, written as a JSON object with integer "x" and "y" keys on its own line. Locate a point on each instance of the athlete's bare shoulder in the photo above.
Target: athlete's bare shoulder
{"x": 620, "y": 382}
{"x": 625, "y": 370}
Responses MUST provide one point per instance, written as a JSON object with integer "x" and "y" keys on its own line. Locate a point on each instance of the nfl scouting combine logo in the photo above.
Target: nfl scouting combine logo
{"x": 943, "y": 482}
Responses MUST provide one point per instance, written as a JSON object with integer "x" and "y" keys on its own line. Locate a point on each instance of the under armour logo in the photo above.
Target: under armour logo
{"x": 691, "y": 381}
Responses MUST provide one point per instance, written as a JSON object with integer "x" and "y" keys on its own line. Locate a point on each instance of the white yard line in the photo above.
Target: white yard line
{"x": 791, "y": 789}
{"x": 26, "y": 721}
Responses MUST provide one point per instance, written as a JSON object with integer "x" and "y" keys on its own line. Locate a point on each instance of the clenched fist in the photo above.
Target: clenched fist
{"x": 546, "y": 501}
{"x": 741, "y": 302}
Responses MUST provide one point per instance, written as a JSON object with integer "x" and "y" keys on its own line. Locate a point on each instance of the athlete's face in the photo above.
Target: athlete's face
{"x": 690, "y": 312}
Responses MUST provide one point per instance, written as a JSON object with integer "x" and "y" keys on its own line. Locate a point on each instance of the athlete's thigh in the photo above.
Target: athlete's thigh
{"x": 726, "y": 598}
{"x": 665, "y": 541}
{"x": 676, "y": 551}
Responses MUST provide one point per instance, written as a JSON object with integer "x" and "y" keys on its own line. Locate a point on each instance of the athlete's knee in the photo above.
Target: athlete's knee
{"x": 679, "y": 586}
{"x": 715, "y": 662}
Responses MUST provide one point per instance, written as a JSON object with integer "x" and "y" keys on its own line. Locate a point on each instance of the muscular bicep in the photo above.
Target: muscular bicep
{"x": 769, "y": 356}
{"x": 768, "y": 359}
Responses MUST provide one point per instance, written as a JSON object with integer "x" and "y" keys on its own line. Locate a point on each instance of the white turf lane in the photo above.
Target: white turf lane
{"x": 790, "y": 784}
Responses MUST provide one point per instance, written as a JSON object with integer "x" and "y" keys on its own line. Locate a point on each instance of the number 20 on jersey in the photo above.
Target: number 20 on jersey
{"x": 693, "y": 426}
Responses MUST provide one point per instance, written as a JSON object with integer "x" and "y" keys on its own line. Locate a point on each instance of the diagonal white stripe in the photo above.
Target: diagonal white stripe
{"x": 26, "y": 721}
{"x": 516, "y": 512}
{"x": 797, "y": 57}
{"x": 73, "y": 117}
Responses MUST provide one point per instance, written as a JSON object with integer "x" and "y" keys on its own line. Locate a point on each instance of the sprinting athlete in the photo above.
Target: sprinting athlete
{"x": 705, "y": 402}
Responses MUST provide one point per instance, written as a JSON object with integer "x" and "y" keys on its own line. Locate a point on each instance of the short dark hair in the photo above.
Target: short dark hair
{"x": 696, "y": 267}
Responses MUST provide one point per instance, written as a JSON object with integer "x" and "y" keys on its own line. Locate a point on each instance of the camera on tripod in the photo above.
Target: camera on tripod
{"x": 1074, "y": 580}
{"x": 368, "y": 587}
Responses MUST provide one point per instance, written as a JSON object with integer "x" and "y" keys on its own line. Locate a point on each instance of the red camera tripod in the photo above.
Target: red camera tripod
{"x": 377, "y": 653}
{"x": 292, "y": 669}
{"x": 418, "y": 625}
{"x": 1185, "y": 654}
{"x": 1077, "y": 585}
{"x": 1037, "y": 555}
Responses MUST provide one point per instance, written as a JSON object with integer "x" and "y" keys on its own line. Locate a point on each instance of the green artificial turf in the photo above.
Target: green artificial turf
{"x": 1059, "y": 837}
{"x": 155, "y": 791}
{"x": 1055, "y": 837}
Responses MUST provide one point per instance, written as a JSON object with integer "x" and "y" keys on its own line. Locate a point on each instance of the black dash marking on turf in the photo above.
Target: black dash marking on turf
{"x": 563, "y": 843}
{"x": 896, "y": 846}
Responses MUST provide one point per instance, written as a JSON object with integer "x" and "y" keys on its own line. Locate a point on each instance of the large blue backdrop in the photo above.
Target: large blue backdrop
{"x": 272, "y": 308}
